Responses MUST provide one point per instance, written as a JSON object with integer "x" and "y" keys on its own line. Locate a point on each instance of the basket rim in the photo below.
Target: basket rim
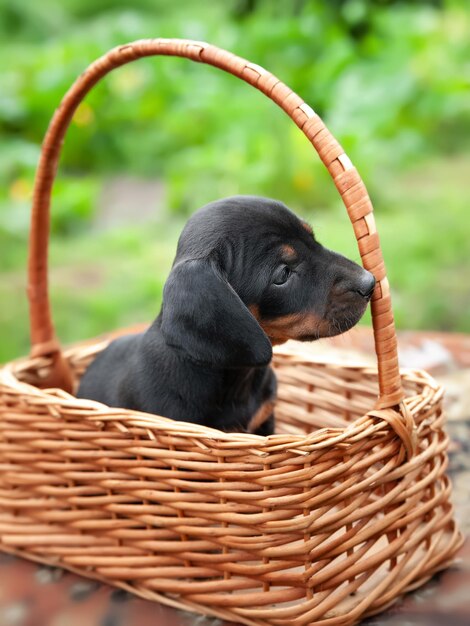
{"x": 99, "y": 413}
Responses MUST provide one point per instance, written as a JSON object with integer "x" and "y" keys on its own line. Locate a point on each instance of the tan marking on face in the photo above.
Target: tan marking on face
{"x": 294, "y": 326}
{"x": 307, "y": 227}
{"x": 289, "y": 252}
{"x": 261, "y": 415}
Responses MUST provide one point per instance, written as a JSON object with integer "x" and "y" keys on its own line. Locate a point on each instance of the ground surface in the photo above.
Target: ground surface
{"x": 34, "y": 595}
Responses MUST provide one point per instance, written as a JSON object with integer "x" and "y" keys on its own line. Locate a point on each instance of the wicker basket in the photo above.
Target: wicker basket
{"x": 331, "y": 519}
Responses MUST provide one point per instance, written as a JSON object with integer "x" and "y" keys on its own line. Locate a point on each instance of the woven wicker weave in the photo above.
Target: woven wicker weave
{"x": 331, "y": 519}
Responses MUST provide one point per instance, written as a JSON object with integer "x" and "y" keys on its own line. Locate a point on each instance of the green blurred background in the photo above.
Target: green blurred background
{"x": 160, "y": 137}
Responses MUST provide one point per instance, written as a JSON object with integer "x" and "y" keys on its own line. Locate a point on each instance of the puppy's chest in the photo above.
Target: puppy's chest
{"x": 249, "y": 401}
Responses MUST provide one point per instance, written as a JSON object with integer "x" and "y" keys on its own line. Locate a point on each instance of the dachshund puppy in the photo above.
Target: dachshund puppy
{"x": 248, "y": 274}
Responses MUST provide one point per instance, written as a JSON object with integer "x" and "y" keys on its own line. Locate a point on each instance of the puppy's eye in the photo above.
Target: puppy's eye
{"x": 282, "y": 274}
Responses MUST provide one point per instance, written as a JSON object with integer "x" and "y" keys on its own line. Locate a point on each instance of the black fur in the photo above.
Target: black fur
{"x": 247, "y": 274}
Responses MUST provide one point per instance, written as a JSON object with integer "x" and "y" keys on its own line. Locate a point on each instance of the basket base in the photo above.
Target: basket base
{"x": 183, "y": 605}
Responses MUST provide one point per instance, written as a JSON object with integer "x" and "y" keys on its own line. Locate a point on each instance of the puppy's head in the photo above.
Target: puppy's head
{"x": 249, "y": 274}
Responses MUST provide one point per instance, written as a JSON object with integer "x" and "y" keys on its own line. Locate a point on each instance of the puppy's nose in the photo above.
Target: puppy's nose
{"x": 366, "y": 285}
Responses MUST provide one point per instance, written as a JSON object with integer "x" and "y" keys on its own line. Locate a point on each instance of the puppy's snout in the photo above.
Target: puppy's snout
{"x": 366, "y": 285}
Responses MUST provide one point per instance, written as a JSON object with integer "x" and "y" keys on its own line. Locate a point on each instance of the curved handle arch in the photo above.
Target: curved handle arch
{"x": 343, "y": 173}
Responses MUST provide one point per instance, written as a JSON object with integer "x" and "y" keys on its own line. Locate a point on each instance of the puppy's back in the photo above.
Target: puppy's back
{"x": 106, "y": 379}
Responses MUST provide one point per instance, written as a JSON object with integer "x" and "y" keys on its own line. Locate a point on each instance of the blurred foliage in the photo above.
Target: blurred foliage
{"x": 391, "y": 79}
{"x": 393, "y": 93}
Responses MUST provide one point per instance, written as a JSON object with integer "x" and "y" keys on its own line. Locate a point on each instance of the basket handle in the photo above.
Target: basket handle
{"x": 344, "y": 174}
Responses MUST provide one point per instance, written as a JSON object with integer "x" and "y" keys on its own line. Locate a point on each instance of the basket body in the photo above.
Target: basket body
{"x": 307, "y": 526}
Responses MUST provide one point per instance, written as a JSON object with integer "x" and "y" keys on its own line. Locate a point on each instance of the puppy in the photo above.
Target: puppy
{"x": 248, "y": 274}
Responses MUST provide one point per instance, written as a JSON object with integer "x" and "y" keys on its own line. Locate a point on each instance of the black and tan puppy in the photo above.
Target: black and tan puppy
{"x": 248, "y": 274}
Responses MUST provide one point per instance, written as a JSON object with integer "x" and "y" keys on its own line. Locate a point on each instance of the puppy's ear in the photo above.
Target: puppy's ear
{"x": 203, "y": 316}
